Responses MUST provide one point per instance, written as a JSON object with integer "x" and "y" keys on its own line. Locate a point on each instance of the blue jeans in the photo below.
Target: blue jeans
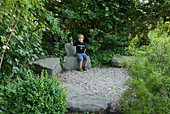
{"x": 81, "y": 56}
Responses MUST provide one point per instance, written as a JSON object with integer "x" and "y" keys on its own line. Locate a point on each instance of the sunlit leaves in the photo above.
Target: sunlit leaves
{"x": 3, "y": 39}
{"x": 25, "y": 43}
{"x": 150, "y": 82}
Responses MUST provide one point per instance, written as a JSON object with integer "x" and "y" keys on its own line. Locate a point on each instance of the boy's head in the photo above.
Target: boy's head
{"x": 80, "y": 37}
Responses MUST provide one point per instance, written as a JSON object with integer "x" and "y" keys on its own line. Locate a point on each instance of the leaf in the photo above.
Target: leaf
{"x": 106, "y": 14}
{"x": 9, "y": 30}
{"x": 103, "y": 4}
{"x": 3, "y": 39}
{"x": 2, "y": 51}
{"x": 106, "y": 9}
{"x": 15, "y": 31}
{"x": 116, "y": 4}
{"x": 20, "y": 37}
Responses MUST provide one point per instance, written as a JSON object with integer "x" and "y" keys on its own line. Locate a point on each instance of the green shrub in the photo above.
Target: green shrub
{"x": 102, "y": 57}
{"x": 33, "y": 95}
{"x": 149, "y": 88}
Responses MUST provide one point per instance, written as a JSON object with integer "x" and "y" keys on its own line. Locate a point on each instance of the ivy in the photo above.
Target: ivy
{"x": 25, "y": 42}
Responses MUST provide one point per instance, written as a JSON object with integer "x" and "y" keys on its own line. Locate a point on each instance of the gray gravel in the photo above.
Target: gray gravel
{"x": 106, "y": 82}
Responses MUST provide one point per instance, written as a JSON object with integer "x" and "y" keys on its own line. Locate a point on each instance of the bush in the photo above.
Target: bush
{"x": 33, "y": 95}
{"x": 149, "y": 88}
{"x": 102, "y": 58}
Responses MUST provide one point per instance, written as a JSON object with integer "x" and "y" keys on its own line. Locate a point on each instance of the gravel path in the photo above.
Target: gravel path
{"x": 107, "y": 82}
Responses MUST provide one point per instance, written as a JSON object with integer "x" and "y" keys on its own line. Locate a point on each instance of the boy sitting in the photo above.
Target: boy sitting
{"x": 80, "y": 51}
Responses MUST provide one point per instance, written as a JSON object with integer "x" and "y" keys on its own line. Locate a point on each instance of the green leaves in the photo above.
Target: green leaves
{"x": 116, "y": 4}
{"x": 9, "y": 30}
{"x": 33, "y": 94}
{"x": 106, "y": 9}
{"x": 3, "y": 39}
{"x": 148, "y": 87}
{"x": 44, "y": 26}
{"x": 25, "y": 43}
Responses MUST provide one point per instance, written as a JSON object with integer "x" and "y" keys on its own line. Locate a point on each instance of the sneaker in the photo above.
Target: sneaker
{"x": 80, "y": 69}
{"x": 85, "y": 67}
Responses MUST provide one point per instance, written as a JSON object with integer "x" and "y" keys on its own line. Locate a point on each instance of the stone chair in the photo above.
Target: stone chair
{"x": 71, "y": 61}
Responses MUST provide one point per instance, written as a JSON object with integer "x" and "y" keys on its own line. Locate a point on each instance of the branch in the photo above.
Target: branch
{"x": 16, "y": 22}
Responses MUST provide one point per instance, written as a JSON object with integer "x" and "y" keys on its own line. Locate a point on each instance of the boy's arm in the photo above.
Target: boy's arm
{"x": 84, "y": 50}
{"x": 71, "y": 41}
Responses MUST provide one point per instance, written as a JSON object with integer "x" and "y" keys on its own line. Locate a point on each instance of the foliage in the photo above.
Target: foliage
{"x": 103, "y": 23}
{"x": 146, "y": 17}
{"x": 100, "y": 59}
{"x": 32, "y": 95}
{"x": 44, "y": 26}
{"x": 149, "y": 88}
{"x": 25, "y": 44}
{"x": 106, "y": 25}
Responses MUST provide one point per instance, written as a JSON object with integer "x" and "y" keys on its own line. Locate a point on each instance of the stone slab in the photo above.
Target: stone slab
{"x": 81, "y": 100}
{"x": 120, "y": 61}
{"x": 72, "y": 63}
{"x": 49, "y": 64}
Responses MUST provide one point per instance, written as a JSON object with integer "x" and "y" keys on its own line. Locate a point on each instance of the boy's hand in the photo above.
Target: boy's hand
{"x": 71, "y": 38}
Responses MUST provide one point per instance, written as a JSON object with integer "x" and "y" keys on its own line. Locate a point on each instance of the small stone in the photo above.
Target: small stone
{"x": 109, "y": 89}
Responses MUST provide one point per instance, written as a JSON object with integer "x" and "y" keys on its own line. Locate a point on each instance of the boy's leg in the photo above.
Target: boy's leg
{"x": 86, "y": 62}
{"x": 81, "y": 62}
{"x": 80, "y": 58}
{"x": 87, "y": 59}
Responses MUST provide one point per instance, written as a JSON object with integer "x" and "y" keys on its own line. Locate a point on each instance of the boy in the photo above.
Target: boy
{"x": 80, "y": 51}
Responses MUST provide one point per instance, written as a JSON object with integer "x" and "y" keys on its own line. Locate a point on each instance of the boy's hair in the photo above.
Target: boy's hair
{"x": 79, "y": 35}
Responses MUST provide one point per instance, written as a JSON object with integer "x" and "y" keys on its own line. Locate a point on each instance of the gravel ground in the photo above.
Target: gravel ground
{"x": 106, "y": 82}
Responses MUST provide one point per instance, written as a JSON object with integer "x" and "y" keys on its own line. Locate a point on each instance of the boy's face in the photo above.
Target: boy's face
{"x": 80, "y": 39}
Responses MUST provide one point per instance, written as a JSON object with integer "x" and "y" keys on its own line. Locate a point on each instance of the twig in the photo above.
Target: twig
{"x": 10, "y": 37}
